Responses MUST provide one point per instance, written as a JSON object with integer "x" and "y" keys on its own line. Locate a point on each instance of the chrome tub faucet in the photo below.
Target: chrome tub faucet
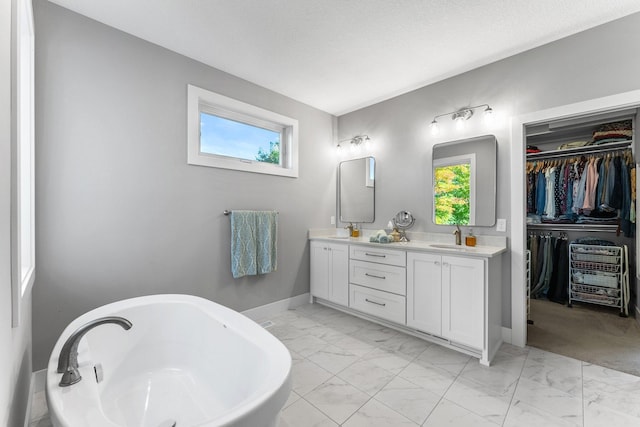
{"x": 68, "y": 360}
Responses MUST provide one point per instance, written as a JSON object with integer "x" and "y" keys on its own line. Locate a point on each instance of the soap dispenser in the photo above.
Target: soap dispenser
{"x": 470, "y": 240}
{"x": 356, "y": 231}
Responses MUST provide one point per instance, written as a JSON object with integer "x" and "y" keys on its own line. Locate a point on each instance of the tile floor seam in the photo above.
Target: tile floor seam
{"x": 444, "y": 393}
{"x": 506, "y": 416}
{"x": 327, "y": 415}
{"x": 392, "y": 409}
{"x": 355, "y": 412}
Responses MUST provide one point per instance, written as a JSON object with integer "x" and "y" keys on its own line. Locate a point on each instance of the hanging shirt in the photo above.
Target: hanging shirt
{"x": 591, "y": 184}
{"x": 550, "y": 205}
{"x": 578, "y": 200}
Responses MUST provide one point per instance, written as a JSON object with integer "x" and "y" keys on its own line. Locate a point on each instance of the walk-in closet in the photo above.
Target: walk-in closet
{"x": 581, "y": 238}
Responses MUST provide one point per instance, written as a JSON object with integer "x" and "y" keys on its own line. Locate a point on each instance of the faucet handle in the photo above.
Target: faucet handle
{"x": 70, "y": 377}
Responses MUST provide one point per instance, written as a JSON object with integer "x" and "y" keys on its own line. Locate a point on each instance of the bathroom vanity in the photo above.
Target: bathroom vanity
{"x": 447, "y": 294}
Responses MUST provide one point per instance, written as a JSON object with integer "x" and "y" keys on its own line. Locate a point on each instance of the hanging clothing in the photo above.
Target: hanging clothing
{"x": 595, "y": 188}
{"x": 559, "y": 283}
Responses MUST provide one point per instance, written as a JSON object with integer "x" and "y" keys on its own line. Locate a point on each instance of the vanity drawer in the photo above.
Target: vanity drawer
{"x": 383, "y": 256}
{"x": 377, "y": 303}
{"x": 387, "y": 278}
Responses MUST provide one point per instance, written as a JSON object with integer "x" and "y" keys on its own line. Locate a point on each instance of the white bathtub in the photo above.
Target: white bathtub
{"x": 186, "y": 360}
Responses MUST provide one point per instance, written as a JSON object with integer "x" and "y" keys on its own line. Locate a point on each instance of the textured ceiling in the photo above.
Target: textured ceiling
{"x": 341, "y": 55}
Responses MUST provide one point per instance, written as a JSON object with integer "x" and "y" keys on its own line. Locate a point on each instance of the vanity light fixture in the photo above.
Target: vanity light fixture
{"x": 460, "y": 117}
{"x": 354, "y": 142}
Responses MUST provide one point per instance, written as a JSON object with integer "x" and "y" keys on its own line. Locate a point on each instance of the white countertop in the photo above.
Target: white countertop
{"x": 433, "y": 243}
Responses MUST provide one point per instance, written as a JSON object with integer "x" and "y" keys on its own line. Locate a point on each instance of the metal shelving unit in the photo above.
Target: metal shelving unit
{"x": 599, "y": 275}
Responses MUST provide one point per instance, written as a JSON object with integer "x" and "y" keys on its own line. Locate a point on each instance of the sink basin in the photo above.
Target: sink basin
{"x": 338, "y": 237}
{"x": 454, "y": 247}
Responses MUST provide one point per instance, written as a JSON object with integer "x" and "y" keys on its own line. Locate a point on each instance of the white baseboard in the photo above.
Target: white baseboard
{"x": 268, "y": 310}
{"x": 506, "y": 335}
{"x": 38, "y": 379}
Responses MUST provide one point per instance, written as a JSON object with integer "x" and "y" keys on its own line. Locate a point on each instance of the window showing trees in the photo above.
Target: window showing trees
{"x": 230, "y": 134}
{"x": 224, "y": 137}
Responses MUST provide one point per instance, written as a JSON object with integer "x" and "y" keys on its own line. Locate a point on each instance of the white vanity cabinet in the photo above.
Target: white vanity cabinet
{"x": 330, "y": 271}
{"x": 451, "y": 296}
{"x": 445, "y": 297}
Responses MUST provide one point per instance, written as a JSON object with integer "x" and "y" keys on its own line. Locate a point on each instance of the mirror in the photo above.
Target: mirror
{"x": 464, "y": 182}
{"x": 356, "y": 190}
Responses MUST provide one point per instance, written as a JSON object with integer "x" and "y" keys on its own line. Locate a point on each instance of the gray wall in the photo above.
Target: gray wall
{"x": 15, "y": 356}
{"x": 119, "y": 212}
{"x": 570, "y": 70}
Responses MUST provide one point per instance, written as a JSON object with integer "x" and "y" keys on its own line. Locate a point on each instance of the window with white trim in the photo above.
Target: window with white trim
{"x": 22, "y": 159}
{"x": 230, "y": 134}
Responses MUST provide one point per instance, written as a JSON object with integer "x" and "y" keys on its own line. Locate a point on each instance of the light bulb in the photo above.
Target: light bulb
{"x": 488, "y": 115}
{"x": 460, "y": 123}
{"x": 435, "y": 129}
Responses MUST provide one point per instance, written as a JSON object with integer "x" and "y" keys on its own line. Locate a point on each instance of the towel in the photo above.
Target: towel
{"x": 380, "y": 237}
{"x": 254, "y": 238}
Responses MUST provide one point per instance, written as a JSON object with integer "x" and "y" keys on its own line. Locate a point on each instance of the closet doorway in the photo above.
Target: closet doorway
{"x": 580, "y": 246}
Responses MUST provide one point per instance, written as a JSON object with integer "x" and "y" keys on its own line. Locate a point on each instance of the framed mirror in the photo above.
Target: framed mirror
{"x": 356, "y": 190}
{"x": 464, "y": 182}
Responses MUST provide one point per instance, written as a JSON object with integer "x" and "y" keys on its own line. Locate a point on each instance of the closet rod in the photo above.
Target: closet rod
{"x": 603, "y": 228}
{"x": 580, "y": 151}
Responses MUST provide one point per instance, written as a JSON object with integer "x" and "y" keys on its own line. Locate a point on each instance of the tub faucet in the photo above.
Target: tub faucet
{"x": 68, "y": 360}
{"x": 458, "y": 234}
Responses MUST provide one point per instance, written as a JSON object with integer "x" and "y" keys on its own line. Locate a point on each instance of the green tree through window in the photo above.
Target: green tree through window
{"x": 273, "y": 156}
{"x": 452, "y": 191}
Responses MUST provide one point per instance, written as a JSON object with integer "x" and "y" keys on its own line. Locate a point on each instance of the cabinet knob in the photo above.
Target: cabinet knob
{"x": 436, "y": 262}
{"x": 445, "y": 264}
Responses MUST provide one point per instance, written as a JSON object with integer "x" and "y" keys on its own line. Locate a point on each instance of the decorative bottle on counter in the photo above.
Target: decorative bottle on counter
{"x": 470, "y": 240}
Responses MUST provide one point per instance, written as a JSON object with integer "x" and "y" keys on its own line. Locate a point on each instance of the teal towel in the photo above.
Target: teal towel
{"x": 254, "y": 239}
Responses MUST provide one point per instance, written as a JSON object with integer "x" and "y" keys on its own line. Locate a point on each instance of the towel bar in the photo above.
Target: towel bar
{"x": 227, "y": 212}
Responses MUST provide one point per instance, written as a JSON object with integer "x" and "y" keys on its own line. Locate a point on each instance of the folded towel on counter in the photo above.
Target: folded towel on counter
{"x": 254, "y": 238}
{"x": 380, "y": 236}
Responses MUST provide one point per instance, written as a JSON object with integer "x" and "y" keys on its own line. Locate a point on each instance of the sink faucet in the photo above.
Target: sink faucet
{"x": 68, "y": 360}
{"x": 350, "y": 228}
{"x": 458, "y": 234}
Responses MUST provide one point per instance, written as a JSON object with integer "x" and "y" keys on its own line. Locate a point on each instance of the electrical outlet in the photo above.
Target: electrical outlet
{"x": 333, "y": 220}
{"x": 501, "y": 225}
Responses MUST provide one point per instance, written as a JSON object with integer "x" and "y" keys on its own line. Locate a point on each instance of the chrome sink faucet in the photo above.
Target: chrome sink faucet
{"x": 68, "y": 360}
{"x": 458, "y": 234}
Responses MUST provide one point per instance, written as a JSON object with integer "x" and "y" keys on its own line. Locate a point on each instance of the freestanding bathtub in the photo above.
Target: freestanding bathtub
{"x": 185, "y": 362}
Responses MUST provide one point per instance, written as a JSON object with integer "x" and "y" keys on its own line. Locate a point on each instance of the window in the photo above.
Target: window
{"x": 230, "y": 134}
{"x": 454, "y": 190}
{"x": 22, "y": 158}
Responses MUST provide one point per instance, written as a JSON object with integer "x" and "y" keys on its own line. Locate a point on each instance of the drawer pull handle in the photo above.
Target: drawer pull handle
{"x": 376, "y": 255}
{"x": 373, "y": 275}
{"x": 376, "y": 303}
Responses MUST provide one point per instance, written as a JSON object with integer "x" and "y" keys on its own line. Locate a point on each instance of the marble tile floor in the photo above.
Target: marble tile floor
{"x": 350, "y": 372}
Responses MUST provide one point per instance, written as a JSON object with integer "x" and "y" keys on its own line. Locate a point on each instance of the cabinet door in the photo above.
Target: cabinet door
{"x": 424, "y": 294}
{"x": 339, "y": 274}
{"x": 319, "y": 270}
{"x": 463, "y": 300}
